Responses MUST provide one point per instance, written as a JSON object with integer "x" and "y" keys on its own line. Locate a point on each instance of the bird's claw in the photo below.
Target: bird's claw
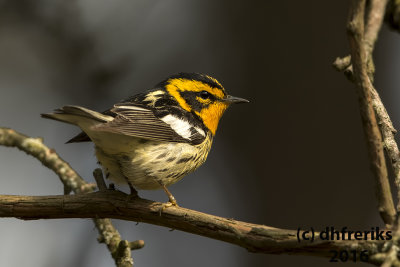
{"x": 170, "y": 203}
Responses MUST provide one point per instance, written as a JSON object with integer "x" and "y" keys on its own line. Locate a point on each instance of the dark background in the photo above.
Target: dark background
{"x": 294, "y": 157}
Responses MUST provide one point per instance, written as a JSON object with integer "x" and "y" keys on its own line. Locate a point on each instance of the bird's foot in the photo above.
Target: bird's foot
{"x": 171, "y": 203}
{"x": 167, "y": 205}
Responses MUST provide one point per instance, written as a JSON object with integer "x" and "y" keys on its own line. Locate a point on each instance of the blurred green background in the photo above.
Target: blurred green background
{"x": 294, "y": 157}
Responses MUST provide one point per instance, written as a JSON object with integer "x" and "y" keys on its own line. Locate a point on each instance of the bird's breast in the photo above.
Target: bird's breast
{"x": 144, "y": 162}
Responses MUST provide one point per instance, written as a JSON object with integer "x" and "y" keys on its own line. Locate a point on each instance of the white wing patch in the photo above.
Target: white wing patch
{"x": 180, "y": 126}
{"x": 153, "y": 97}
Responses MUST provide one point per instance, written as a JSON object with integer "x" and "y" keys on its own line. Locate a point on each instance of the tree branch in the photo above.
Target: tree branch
{"x": 375, "y": 16}
{"x": 359, "y": 57}
{"x": 118, "y": 205}
{"x": 389, "y": 254}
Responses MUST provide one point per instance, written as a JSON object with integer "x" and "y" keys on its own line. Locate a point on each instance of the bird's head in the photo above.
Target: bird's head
{"x": 201, "y": 95}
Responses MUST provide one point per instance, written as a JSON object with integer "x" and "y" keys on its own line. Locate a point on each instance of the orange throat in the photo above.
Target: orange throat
{"x": 211, "y": 115}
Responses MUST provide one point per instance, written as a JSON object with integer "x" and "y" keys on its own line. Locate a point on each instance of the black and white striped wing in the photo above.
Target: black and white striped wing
{"x": 141, "y": 122}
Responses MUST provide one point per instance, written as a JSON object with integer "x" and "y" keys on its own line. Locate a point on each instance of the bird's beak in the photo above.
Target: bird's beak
{"x": 234, "y": 100}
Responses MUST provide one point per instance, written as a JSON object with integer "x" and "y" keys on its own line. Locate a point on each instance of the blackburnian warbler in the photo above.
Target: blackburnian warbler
{"x": 153, "y": 139}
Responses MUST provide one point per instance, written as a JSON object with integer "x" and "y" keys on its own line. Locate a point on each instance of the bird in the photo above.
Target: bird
{"x": 153, "y": 139}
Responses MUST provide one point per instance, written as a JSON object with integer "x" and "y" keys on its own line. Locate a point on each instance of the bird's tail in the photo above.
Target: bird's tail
{"x": 77, "y": 115}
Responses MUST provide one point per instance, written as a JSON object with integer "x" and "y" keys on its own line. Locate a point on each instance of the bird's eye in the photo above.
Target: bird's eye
{"x": 205, "y": 95}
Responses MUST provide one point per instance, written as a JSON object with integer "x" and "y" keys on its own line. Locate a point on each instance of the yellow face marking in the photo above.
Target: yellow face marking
{"x": 204, "y": 101}
{"x": 173, "y": 89}
{"x": 177, "y": 85}
{"x": 212, "y": 114}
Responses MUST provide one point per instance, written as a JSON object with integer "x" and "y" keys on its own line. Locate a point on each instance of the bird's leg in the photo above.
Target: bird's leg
{"x": 171, "y": 198}
{"x": 111, "y": 186}
{"x": 133, "y": 191}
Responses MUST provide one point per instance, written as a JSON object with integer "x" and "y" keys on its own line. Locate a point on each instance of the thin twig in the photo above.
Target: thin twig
{"x": 109, "y": 235}
{"x": 355, "y": 29}
{"x": 392, "y": 16}
{"x": 120, "y": 249}
{"x": 390, "y": 258}
{"x": 374, "y": 23}
{"x": 341, "y": 63}
{"x": 72, "y": 182}
{"x": 389, "y": 142}
{"x": 48, "y": 157}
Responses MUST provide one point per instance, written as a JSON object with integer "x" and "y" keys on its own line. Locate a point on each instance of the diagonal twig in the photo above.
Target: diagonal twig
{"x": 35, "y": 147}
